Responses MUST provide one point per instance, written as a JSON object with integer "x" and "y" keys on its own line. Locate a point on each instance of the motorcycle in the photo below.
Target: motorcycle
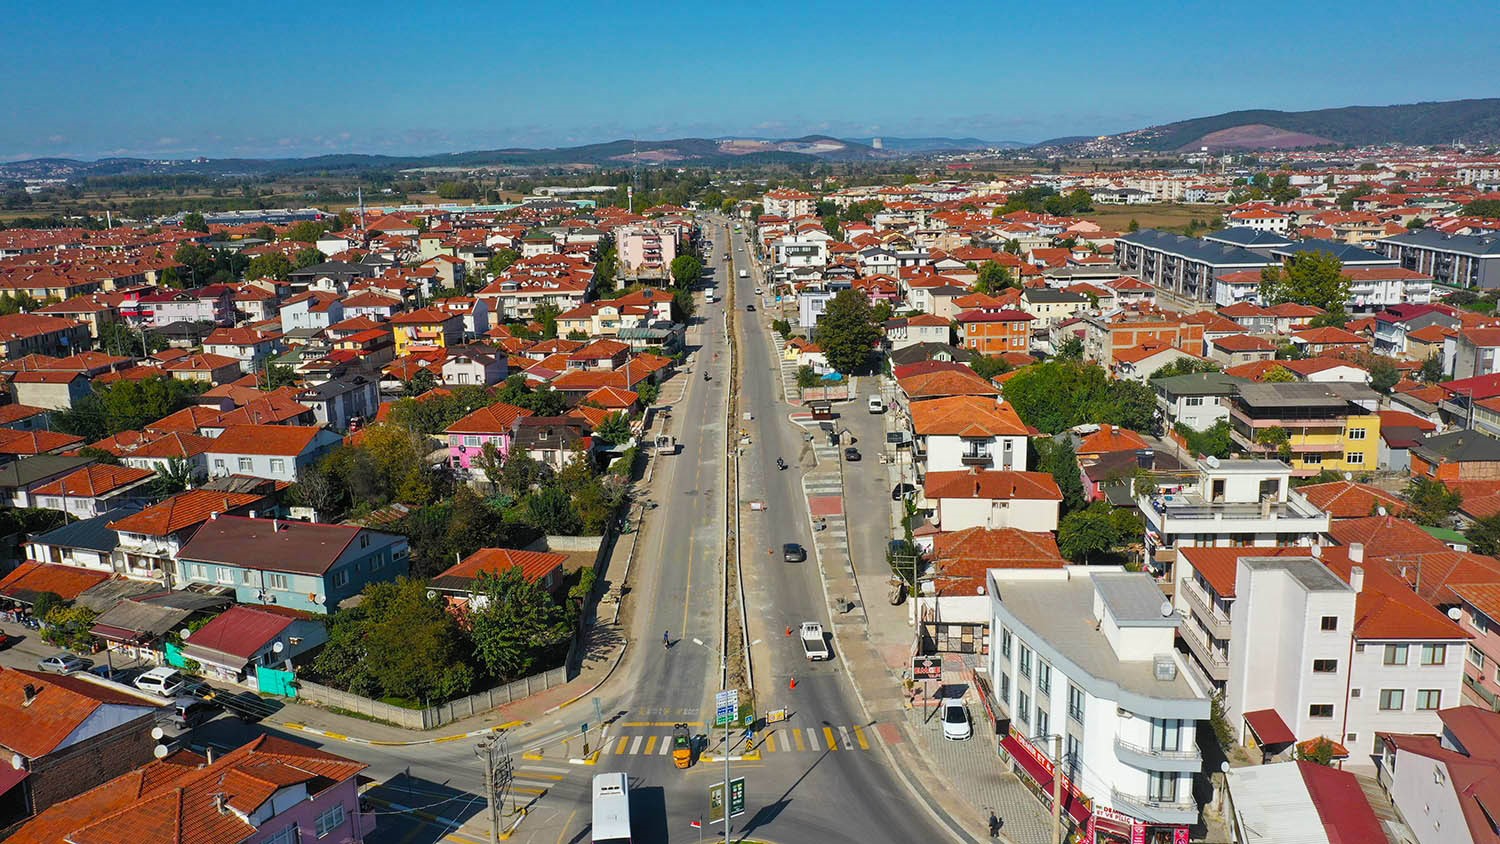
{"x": 780, "y": 464}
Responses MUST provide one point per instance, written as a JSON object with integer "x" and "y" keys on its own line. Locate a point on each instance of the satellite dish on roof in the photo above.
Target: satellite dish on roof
{"x": 1381, "y": 510}
{"x": 278, "y": 647}
{"x": 1166, "y": 609}
{"x": 16, "y": 761}
{"x": 184, "y": 634}
{"x": 432, "y": 594}
{"x": 1212, "y": 461}
{"x": 1455, "y": 613}
{"x": 160, "y": 751}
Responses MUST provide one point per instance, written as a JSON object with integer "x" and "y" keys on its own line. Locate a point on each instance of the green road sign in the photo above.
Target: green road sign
{"x": 736, "y": 797}
{"x": 716, "y": 802}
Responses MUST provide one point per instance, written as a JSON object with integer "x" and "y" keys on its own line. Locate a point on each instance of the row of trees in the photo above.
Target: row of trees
{"x": 1059, "y": 394}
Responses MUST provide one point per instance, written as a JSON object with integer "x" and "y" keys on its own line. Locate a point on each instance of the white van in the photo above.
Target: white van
{"x": 744, "y": 273}
{"x": 876, "y": 405}
{"x": 611, "y": 809}
{"x": 165, "y": 681}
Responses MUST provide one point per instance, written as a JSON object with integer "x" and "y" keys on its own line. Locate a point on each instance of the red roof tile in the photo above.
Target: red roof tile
{"x": 61, "y": 706}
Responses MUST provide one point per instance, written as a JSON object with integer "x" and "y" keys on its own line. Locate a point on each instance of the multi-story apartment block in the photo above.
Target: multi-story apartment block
{"x": 1085, "y": 665}
{"x": 1185, "y": 266}
{"x": 1456, "y": 260}
{"x": 1316, "y": 426}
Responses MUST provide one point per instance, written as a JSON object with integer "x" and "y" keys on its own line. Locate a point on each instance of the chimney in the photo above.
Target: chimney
{"x": 1357, "y": 579}
{"x": 220, "y": 802}
{"x": 1356, "y": 552}
{"x": 30, "y": 692}
{"x": 1106, "y": 429}
{"x": 214, "y": 514}
{"x": 209, "y": 754}
{"x": 252, "y": 514}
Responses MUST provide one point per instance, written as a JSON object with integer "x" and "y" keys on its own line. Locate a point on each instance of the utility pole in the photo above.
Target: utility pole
{"x": 1057, "y": 830}
{"x": 495, "y": 751}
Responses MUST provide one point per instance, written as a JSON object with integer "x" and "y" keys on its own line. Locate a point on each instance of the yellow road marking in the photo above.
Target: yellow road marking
{"x": 620, "y": 748}
{"x": 567, "y": 825}
{"x": 525, "y": 774}
{"x": 448, "y": 738}
{"x": 526, "y": 789}
{"x": 339, "y": 736}
{"x": 801, "y": 745}
{"x": 859, "y": 733}
{"x": 832, "y": 742}
{"x": 659, "y": 723}
{"x": 770, "y": 743}
{"x": 650, "y": 744}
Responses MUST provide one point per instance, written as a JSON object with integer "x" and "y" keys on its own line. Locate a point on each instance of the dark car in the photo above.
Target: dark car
{"x": 188, "y": 712}
{"x": 793, "y": 553}
{"x": 851, "y": 454}
{"x": 749, "y": 307}
{"x": 901, "y": 490}
{"x": 248, "y": 706}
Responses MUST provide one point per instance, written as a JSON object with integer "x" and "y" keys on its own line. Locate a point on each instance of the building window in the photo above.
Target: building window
{"x": 1476, "y": 656}
{"x": 1023, "y": 707}
{"x": 1480, "y": 621}
{"x": 1391, "y": 700}
{"x": 246, "y": 577}
{"x": 1025, "y": 661}
{"x": 226, "y": 575}
{"x": 471, "y": 441}
{"x": 278, "y": 466}
{"x": 1356, "y": 433}
{"x": 1434, "y": 654}
{"x": 1043, "y": 678}
{"x": 1163, "y": 787}
{"x": 330, "y": 820}
{"x": 1043, "y": 722}
{"x": 276, "y": 581}
{"x": 340, "y": 578}
{"x": 1429, "y": 699}
{"x": 1193, "y": 401}
{"x": 1005, "y": 690}
{"x": 1320, "y": 710}
{"x": 1166, "y": 734}
{"x": 200, "y": 571}
{"x": 1395, "y": 654}
{"x": 1354, "y": 458}
{"x": 1325, "y": 666}
{"x": 1005, "y": 643}
{"x": 1075, "y": 703}
{"x": 286, "y": 836}
{"x": 245, "y": 464}
{"x": 1330, "y": 622}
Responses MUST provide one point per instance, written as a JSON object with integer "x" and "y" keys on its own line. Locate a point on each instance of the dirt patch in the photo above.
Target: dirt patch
{"x": 1256, "y": 136}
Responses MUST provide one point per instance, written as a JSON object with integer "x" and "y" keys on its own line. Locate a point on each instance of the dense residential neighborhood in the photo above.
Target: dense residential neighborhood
{"x": 1090, "y": 499}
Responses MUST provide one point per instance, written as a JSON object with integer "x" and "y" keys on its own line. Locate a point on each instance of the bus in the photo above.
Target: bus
{"x": 611, "y": 809}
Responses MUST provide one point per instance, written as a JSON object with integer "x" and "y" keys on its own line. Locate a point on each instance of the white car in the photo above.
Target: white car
{"x": 65, "y": 664}
{"x": 759, "y": 292}
{"x": 164, "y": 681}
{"x": 956, "y": 725}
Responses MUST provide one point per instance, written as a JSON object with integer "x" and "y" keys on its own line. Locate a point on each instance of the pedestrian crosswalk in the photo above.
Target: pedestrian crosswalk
{"x": 780, "y": 739}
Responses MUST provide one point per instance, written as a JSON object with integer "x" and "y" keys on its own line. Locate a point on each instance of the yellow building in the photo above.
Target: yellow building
{"x": 426, "y": 329}
{"x": 1313, "y": 426}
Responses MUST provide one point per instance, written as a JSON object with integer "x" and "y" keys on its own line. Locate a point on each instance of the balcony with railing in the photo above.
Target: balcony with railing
{"x": 1205, "y": 608}
{"x": 976, "y": 454}
{"x": 1158, "y": 811}
{"x": 1189, "y": 513}
{"x": 1150, "y": 759}
{"x": 1213, "y": 661}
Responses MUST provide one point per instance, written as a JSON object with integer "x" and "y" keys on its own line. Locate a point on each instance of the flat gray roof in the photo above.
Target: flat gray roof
{"x": 1061, "y": 613}
{"x": 1133, "y": 599}
{"x": 1298, "y": 394}
{"x": 1313, "y": 575}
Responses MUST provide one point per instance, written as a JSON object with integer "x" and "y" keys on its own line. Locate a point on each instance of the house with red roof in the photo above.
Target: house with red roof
{"x": 1446, "y": 782}
{"x": 276, "y": 452}
{"x": 1237, "y": 349}
{"x": 96, "y": 489}
{"x": 1300, "y": 801}
{"x": 968, "y": 431}
{"x": 61, "y": 736}
{"x": 994, "y": 332}
{"x": 458, "y": 583}
{"x": 237, "y": 641}
{"x": 1319, "y": 341}
{"x": 493, "y": 424}
{"x": 990, "y": 499}
{"x": 268, "y": 791}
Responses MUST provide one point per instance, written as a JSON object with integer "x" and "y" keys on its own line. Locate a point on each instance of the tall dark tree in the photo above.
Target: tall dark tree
{"x": 516, "y": 625}
{"x": 847, "y": 332}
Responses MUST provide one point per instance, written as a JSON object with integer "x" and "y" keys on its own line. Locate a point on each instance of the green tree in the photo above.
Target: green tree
{"x": 420, "y": 382}
{"x": 1318, "y": 751}
{"x": 1484, "y": 535}
{"x": 1311, "y": 278}
{"x": 20, "y": 301}
{"x": 993, "y": 278}
{"x": 70, "y": 627}
{"x": 270, "y": 265}
{"x": 1383, "y": 374}
{"x": 501, "y": 261}
{"x": 173, "y": 477}
{"x": 547, "y": 314}
{"x": 124, "y": 406}
{"x": 1213, "y": 441}
{"x": 1482, "y": 208}
{"x": 1431, "y": 502}
{"x": 649, "y": 393}
{"x": 847, "y": 332}
{"x": 306, "y": 258}
{"x": 397, "y": 643}
{"x": 1432, "y": 369}
{"x": 194, "y": 222}
{"x": 1276, "y": 437}
{"x": 1092, "y": 530}
{"x": 806, "y": 378}
{"x": 1185, "y": 366}
{"x": 1059, "y": 394}
{"x": 278, "y": 375}
{"x": 1278, "y": 375}
{"x": 1134, "y": 226}
{"x": 1416, "y": 223}
{"x": 516, "y": 626}
{"x": 987, "y": 367}
{"x": 1070, "y": 348}
{"x": 614, "y": 429}
{"x": 264, "y": 232}
{"x": 550, "y": 510}
{"x": 520, "y": 473}
{"x": 306, "y": 231}
{"x": 831, "y": 226}
{"x": 1058, "y": 459}
{"x": 197, "y": 259}
{"x": 686, "y": 270}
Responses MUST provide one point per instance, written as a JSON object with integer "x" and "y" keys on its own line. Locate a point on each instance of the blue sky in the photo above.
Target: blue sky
{"x": 250, "y": 79}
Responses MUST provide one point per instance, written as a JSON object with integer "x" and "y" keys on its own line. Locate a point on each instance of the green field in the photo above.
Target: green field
{"x": 1175, "y": 217}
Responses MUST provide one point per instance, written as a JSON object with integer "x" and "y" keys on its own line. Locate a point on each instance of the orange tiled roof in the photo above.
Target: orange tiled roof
{"x": 32, "y": 578}
{"x": 61, "y": 706}
{"x": 491, "y": 419}
{"x": 534, "y": 565}
{"x": 183, "y": 511}
{"x": 1350, "y": 500}
{"x": 946, "y": 382}
{"x": 996, "y": 485}
{"x": 966, "y": 416}
{"x": 91, "y": 481}
{"x": 286, "y": 440}
{"x": 1109, "y": 439}
{"x": 26, "y": 443}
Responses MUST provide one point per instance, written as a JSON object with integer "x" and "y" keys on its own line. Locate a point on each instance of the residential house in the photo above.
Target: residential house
{"x": 312, "y": 311}
{"x": 339, "y": 402}
{"x": 990, "y": 499}
{"x": 277, "y": 452}
{"x": 1141, "y": 362}
{"x": 1085, "y": 653}
{"x": 475, "y": 364}
{"x": 84, "y": 544}
{"x": 994, "y": 332}
{"x": 164, "y": 452}
{"x": 1322, "y": 426}
{"x": 1050, "y": 306}
{"x": 1442, "y": 782}
{"x": 960, "y": 432}
{"x": 24, "y": 417}
{"x": 298, "y": 565}
{"x": 17, "y": 445}
{"x": 1299, "y": 801}
{"x": 1238, "y": 349}
{"x": 426, "y": 329}
{"x": 1197, "y": 400}
{"x": 148, "y": 541}
{"x": 204, "y": 368}
{"x": 550, "y": 440}
{"x": 240, "y": 640}
{"x": 1328, "y": 340}
{"x": 249, "y": 346}
{"x": 920, "y": 328}
{"x": 493, "y": 424}
{"x": 96, "y": 489}
{"x": 1457, "y": 456}
{"x": 270, "y": 791}
{"x": 52, "y": 389}
{"x": 27, "y": 334}
{"x": 1351, "y": 499}
{"x": 457, "y": 583}
{"x": 19, "y": 478}
{"x": 62, "y": 736}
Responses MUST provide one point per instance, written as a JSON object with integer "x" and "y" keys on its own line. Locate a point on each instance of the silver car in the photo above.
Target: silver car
{"x": 65, "y": 664}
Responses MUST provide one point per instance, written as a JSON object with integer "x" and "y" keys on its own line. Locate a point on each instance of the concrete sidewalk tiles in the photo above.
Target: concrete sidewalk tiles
{"x": 973, "y": 769}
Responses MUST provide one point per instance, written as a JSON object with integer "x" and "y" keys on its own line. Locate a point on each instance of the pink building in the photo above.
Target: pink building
{"x": 1480, "y": 603}
{"x": 645, "y": 251}
{"x": 493, "y": 424}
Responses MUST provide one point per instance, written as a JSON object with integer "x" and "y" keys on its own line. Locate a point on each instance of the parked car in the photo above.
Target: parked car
{"x": 956, "y": 725}
{"x": 65, "y": 664}
{"x": 188, "y": 712}
{"x": 793, "y": 553}
{"x": 5, "y": 641}
{"x": 750, "y": 307}
{"x": 851, "y": 454}
{"x": 759, "y": 292}
{"x": 249, "y": 706}
{"x": 901, "y": 490}
{"x": 164, "y": 680}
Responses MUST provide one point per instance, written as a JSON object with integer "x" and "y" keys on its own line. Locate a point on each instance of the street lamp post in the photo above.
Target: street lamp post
{"x": 723, "y": 672}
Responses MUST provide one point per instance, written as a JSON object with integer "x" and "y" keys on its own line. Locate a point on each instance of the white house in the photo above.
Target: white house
{"x": 991, "y": 500}
{"x": 1442, "y": 784}
{"x": 276, "y": 452}
{"x": 1085, "y": 659}
{"x": 962, "y": 432}
{"x": 919, "y": 328}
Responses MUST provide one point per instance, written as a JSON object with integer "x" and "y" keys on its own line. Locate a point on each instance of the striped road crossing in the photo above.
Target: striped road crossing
{"x": 781, "y": 740}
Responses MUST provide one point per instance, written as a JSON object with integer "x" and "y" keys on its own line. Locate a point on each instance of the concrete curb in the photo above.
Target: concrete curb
{"x": 620, "y": 657}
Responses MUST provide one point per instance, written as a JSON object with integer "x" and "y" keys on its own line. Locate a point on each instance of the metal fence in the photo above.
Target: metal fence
{"x": 433, "y": 716}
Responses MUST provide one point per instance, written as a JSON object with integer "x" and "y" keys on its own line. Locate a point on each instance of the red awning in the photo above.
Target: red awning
{"x": 1073, "y": 802}
{"x": 1269, "y": 728}
{"x": 10, "y": 777}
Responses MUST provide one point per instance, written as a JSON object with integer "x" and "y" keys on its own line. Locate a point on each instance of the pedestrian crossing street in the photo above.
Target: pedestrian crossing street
{"x": 780, "y": 740}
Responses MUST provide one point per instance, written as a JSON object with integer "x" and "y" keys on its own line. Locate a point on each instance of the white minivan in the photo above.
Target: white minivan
{"x": 876, "y": 405}
{"x": 164, "y": 681}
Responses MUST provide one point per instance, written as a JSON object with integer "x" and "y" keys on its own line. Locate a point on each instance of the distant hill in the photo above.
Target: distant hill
{"x": 1467, "y": 121}
{"x": 915, "y": 145}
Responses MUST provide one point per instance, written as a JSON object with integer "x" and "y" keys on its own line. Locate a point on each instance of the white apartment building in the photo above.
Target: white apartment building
{"x": 1321, "y": 646}
{"x": 1233, "y": 502}
{"x": 1086, "y": 653}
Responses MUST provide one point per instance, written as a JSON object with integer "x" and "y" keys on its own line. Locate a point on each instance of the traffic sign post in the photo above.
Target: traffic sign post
{"x": 926, "y": 668}
{"x": 726, "y": 707}
{"x": 716, "y": 802}
{"x": 736, "y": 797}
